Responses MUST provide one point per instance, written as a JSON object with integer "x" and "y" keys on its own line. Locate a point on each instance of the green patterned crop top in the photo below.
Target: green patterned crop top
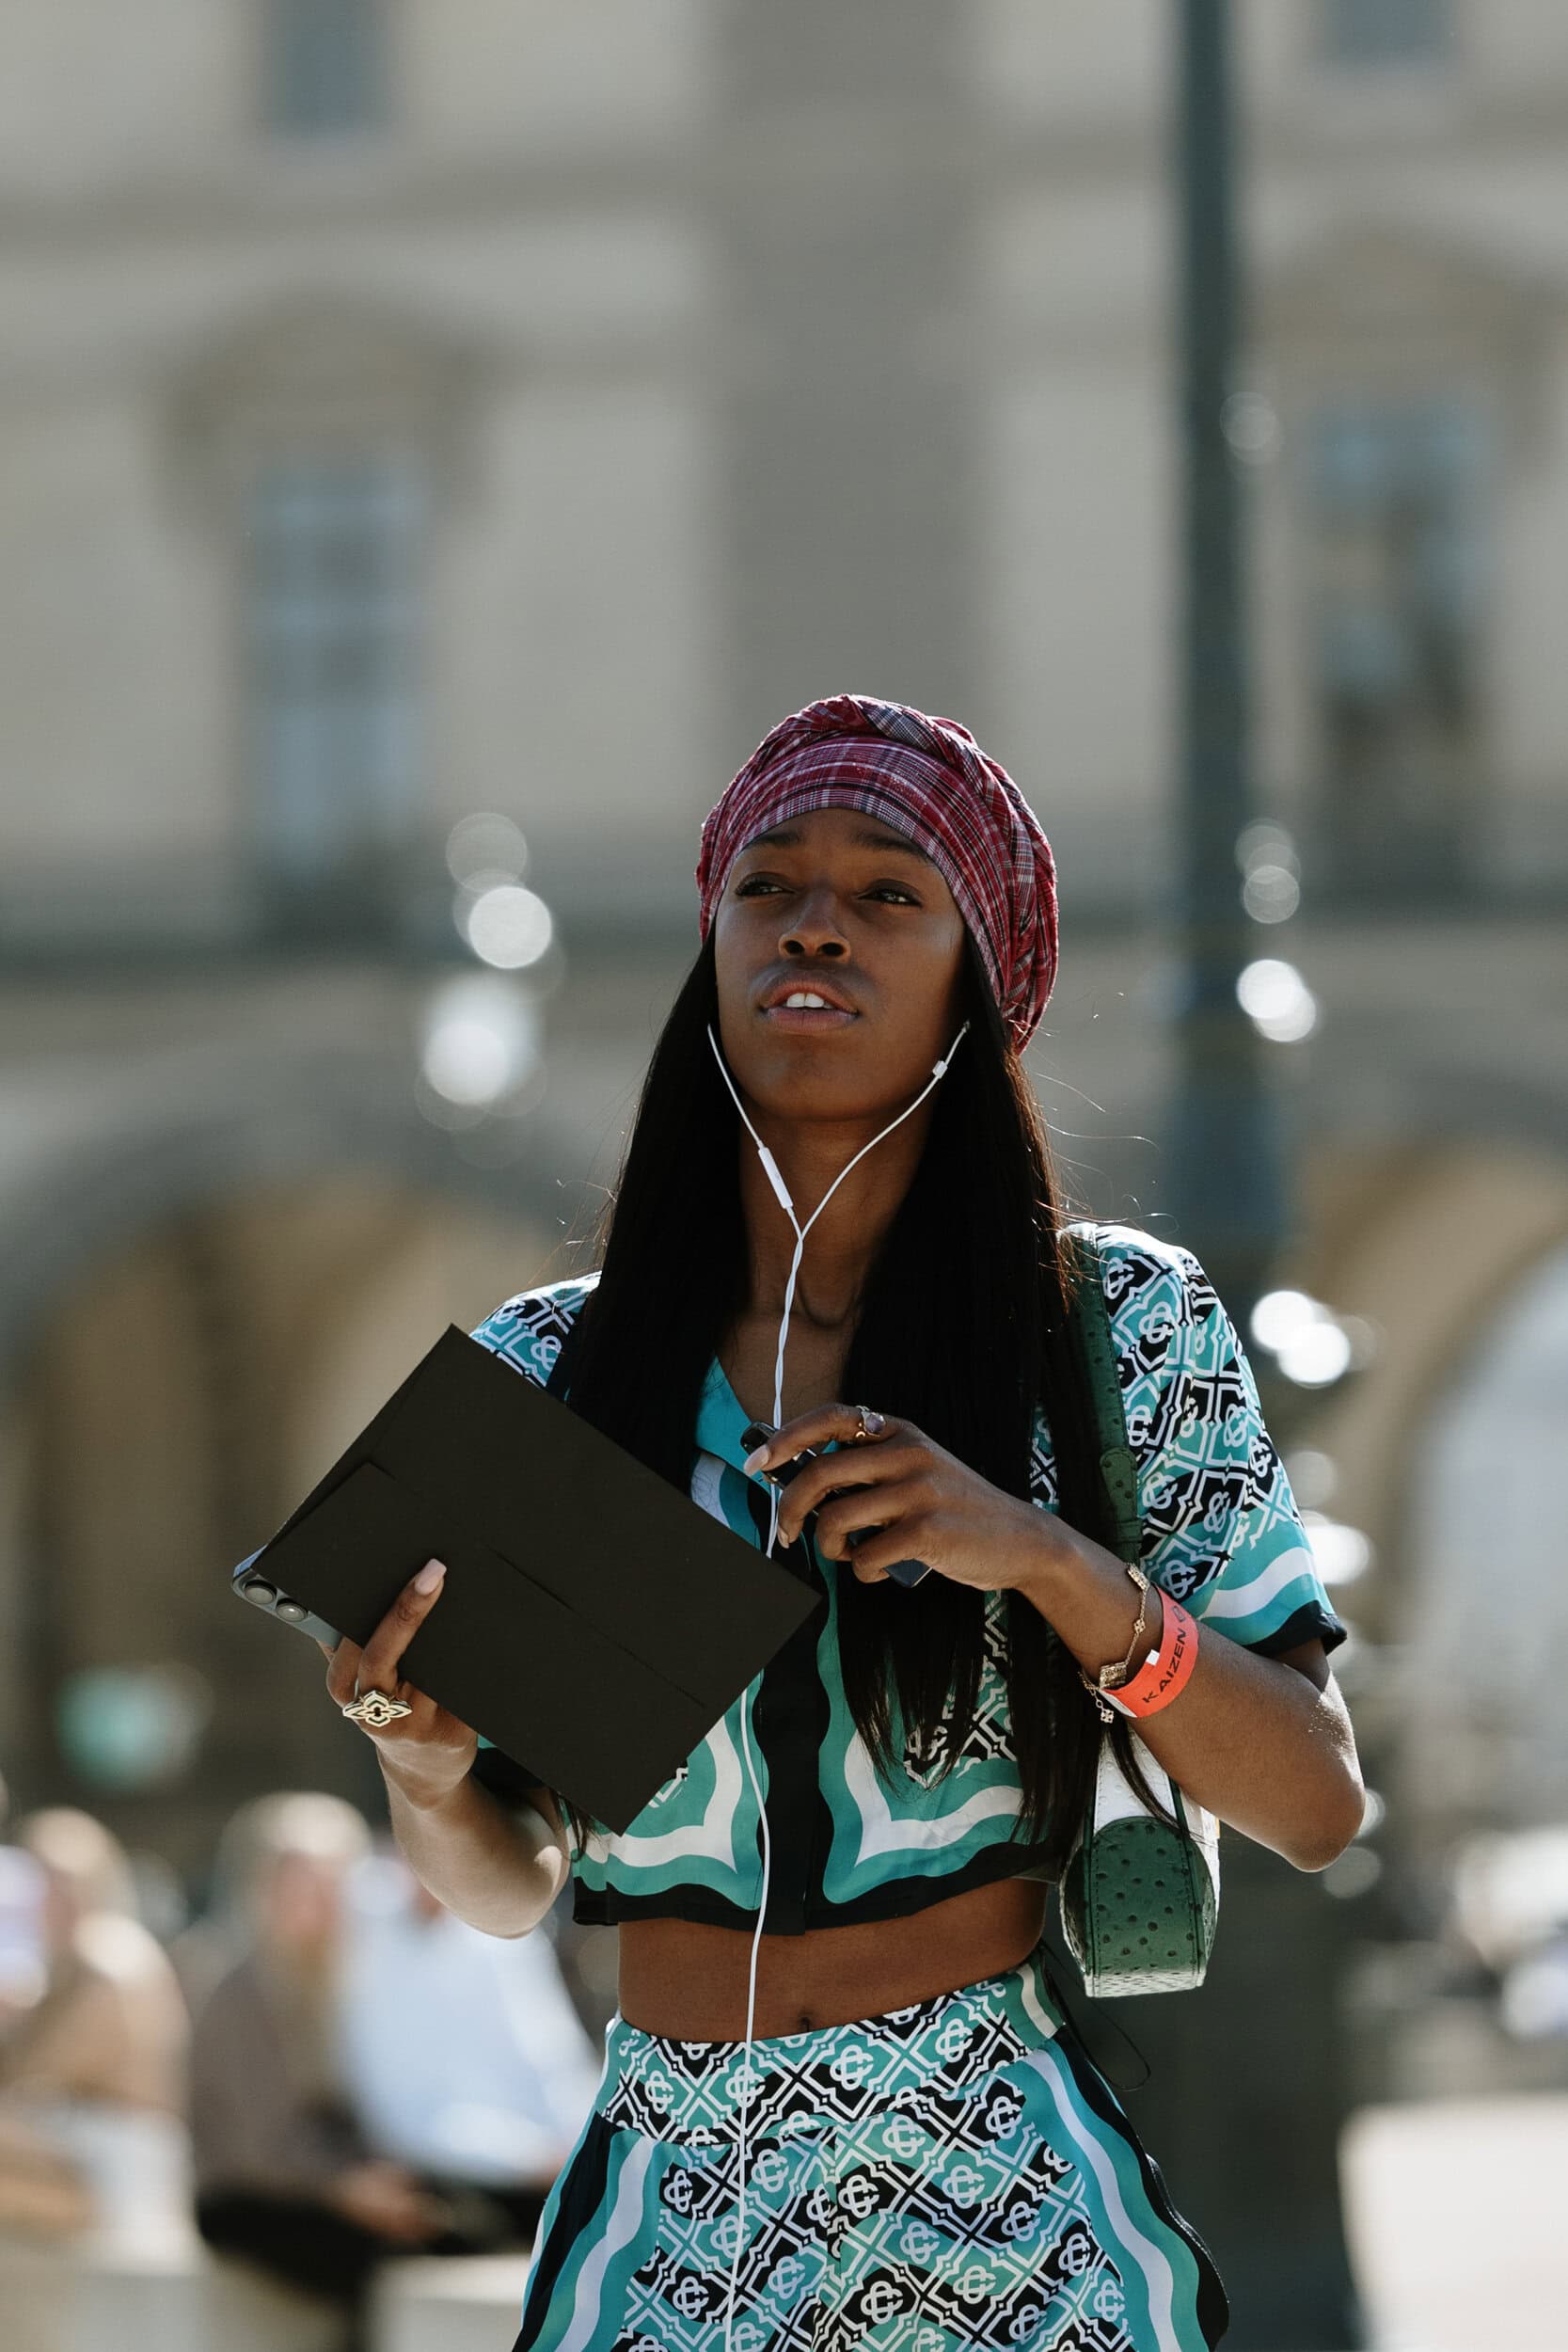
{"x": 1221, "y": 1534}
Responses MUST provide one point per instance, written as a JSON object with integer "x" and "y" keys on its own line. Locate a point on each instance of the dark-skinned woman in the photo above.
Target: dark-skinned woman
{"x": 842, "y": 2104}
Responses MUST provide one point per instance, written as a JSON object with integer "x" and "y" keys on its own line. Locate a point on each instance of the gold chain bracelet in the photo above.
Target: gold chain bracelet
{"x": 1112, "y": 1678}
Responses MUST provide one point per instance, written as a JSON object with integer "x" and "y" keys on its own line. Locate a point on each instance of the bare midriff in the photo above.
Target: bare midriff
{"x": 688, "y": 1982}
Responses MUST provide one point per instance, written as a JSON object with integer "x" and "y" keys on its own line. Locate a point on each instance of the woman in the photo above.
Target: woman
{"x": 853, "y": 1868}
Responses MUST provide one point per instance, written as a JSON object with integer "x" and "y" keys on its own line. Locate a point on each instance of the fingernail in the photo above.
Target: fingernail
{"x": 754, "y": 1462}
{"x": 430, "y": 1576}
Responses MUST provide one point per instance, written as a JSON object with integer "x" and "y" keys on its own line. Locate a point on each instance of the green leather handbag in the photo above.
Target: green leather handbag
{"x": 1140, "y": 1896}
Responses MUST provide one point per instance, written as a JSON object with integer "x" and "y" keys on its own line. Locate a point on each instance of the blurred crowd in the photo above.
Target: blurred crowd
{"x": 323, "y": 2069}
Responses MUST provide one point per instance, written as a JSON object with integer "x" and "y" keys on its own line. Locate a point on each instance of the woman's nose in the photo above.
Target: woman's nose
{"x": 816, "y": 929}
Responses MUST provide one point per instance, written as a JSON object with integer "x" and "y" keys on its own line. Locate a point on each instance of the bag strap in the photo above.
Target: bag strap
{"x": 1094, "y": 1357}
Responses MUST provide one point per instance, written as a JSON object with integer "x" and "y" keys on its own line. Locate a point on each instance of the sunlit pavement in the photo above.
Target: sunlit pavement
{"x": 1458, "y": 2217}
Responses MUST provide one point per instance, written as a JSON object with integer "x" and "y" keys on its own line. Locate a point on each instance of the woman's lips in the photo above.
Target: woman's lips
{"x": 808, "y": 1017}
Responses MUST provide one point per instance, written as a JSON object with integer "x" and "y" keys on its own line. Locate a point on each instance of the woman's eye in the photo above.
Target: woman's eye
{"x": 770, "y": 886}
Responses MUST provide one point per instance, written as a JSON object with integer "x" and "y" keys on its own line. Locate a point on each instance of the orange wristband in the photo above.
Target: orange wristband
{"x": 1165, "y": 1671}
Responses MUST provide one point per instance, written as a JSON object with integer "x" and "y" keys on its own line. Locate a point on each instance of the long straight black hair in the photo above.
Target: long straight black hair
{"x": 960, "y": 1327}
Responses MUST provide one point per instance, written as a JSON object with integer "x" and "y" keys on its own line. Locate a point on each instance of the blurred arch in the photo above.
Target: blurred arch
{"x": 196, "y": 1313}
{"x": 1457, "y": 1249}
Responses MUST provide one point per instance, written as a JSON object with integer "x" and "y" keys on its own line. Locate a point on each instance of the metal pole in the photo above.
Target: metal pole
{"x": 1244, "y": 2104}
{"x": 1227, "y": 1186}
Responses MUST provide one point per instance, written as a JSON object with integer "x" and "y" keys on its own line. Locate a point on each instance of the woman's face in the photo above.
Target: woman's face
{"x": 836, "y": 908}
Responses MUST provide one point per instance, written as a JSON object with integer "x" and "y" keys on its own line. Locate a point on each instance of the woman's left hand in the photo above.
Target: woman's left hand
{"x": 916, "y": 1502}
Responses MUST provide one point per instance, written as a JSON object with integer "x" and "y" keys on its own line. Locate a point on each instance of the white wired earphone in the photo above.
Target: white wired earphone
{"x": 771, "y": 1170}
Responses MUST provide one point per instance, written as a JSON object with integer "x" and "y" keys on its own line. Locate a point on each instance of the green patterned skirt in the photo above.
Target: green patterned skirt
{"x": 949, "y": 2177}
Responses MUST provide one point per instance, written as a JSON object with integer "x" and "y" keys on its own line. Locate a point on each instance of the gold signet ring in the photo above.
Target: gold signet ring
{"x": 375, "y": 1709}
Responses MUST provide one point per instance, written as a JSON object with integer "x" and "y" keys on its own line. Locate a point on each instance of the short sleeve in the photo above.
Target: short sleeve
{"x": 1222, "y": 1532}
{"x": 528, "y": 1331}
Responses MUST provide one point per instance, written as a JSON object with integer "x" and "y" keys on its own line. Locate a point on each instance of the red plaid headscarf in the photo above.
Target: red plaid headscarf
{"x": 930, "y": 780}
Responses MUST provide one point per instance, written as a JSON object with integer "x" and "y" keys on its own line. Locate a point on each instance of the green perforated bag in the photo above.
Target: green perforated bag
{"x": 1140, "y": 1900}
{"x": 1140, "y": 1897}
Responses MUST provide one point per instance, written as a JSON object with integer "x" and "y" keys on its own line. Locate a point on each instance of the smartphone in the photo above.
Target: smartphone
{"x": 902, "y": 1571}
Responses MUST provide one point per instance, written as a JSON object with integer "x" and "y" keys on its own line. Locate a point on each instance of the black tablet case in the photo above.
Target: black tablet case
{"x": 593, "y": 1620}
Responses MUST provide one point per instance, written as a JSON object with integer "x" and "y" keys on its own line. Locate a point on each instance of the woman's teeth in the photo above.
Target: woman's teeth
{"x": 801, "y": 1002}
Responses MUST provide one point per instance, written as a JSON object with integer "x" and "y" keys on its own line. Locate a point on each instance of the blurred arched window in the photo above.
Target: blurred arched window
{"x": 1385, "y": 32}
{"x": 324, "y": 66}
{"x": 334, "y": 542}
{"x": 1398, "y": 515}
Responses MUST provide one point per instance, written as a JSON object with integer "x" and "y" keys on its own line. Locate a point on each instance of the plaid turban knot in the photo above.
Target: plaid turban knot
{"x": 929, "y": 779}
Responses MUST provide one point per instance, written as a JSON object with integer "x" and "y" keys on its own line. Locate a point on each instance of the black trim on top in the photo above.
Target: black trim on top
{"x": 789, "y": 1723}
{"x": 1311, "y": 1622}
{"x": 594, "y": 1907}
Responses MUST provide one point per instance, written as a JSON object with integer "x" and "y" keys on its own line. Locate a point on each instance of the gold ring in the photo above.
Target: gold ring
{"x": 872, "y": 1424}
{"x": 376, "y": 1709}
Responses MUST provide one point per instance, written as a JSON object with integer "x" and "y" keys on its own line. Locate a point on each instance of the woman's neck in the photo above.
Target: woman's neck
{"x": 845, "y": 1238}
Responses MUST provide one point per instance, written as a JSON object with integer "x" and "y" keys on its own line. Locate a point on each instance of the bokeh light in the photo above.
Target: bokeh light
{"x": 1317, "y": 1356}
{"x": 1271, "y": 894}
{"x": 132, "y": 1727}
{"x": 507, "y": 927}
{"x": 1375, "y": 1813}
{"x": 1277, "y": 1000}
{"x": 1313, "y": 1347}
{"x": 1251, "y": 425}
{"x": 1356, "y": 1871}
{"x": 1280, "y": 1314}
{"x": 1266, "y": 842}
{"x": 480, "y": 1041}
{"x": 1341, "y": 1553}
{"x": 484, "y": 849}
{"x": 1314, "y": 1476}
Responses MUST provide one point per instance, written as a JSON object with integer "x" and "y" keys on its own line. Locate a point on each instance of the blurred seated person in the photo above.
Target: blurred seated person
{"x": 92, "y": 2069}
{"x": 288, "y": 2175}
{"x": 466, "y": 2057}
{"x": 285, "y": 2178}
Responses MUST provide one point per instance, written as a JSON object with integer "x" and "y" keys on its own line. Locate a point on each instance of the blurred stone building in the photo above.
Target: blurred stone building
{"x": 420, "y": 410}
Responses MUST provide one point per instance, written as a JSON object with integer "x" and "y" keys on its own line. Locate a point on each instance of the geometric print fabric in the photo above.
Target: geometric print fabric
{"x": 1220, "y": 1522}
{"x": 1221, "y": 1533}
{"x": 951, "y": 2176}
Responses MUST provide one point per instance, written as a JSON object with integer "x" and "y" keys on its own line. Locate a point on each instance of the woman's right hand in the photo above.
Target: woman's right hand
{"x": 426, "y": 1751}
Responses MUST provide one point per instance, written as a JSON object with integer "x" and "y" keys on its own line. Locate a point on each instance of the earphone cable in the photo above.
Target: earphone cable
{"x": 780, "y": 1192}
